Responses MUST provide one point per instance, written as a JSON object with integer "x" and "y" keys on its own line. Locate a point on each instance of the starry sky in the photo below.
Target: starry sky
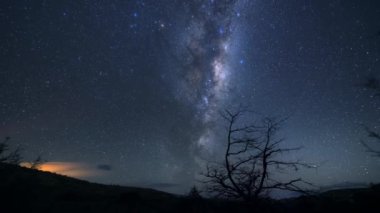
{"x": 129, "y": 92}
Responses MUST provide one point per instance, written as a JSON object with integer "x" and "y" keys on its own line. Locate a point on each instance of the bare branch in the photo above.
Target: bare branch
{"x": 249, "y": 159}
{"x": 375, "y": 136}
{"x": 7, "y": 156}
{"x": 375, "y": 153}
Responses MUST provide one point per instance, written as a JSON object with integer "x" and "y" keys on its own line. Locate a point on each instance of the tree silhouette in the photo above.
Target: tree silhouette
{"x": 7, "y": 156}
{"x": 194, "y": 193}
{"x": 376, "y": 138}
{"x": 250, "y": 160}
{"x": 36, "y": 164}
{"x": 372, "y": 84}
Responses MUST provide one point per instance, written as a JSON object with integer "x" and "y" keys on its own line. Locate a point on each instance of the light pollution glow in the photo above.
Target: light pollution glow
{"x": 71, "y": 169}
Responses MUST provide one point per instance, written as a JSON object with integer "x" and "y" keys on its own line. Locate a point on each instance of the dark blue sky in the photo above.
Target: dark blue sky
{"x": 136, "y": 86}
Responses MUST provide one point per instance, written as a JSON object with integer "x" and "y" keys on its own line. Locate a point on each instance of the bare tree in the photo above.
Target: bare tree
{"x": 372, "y": 84}
{"x": 194, "y": 193}
{"x": 374, "y": 136}
{"x": 250, "y": 158}
{"x": 37, "y": 163}
{"x": 7, "y": 156}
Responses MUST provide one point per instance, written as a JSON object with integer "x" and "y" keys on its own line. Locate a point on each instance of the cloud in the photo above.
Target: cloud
{"x": 104, "y": 167}
{"x": 163, "y": 185}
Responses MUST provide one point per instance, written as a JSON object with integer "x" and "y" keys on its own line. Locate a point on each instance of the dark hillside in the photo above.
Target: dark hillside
{"x": 27, "y": 190}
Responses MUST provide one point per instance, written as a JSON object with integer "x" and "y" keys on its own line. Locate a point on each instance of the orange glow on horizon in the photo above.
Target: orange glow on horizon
{"x": 71, "y": 169}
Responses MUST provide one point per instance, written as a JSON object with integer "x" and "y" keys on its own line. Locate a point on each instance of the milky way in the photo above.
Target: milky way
{"x": 206, "y": 69}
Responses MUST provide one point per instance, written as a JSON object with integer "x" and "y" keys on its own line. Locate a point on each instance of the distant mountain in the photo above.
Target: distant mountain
{"x": 344, "y": 185}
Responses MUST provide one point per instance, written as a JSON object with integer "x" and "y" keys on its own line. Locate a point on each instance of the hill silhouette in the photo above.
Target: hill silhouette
{"x": 28, "y": 190}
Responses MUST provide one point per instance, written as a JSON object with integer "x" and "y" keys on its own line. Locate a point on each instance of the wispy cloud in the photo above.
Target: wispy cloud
{"x": 104, "y": 167}
{"x": 162, "y": 185}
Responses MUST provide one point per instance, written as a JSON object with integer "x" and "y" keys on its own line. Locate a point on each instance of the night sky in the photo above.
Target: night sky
{"x": 129, "y": 92}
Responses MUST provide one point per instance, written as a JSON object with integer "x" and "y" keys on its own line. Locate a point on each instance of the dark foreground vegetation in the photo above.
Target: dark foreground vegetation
{"x": 28, "y": 190}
